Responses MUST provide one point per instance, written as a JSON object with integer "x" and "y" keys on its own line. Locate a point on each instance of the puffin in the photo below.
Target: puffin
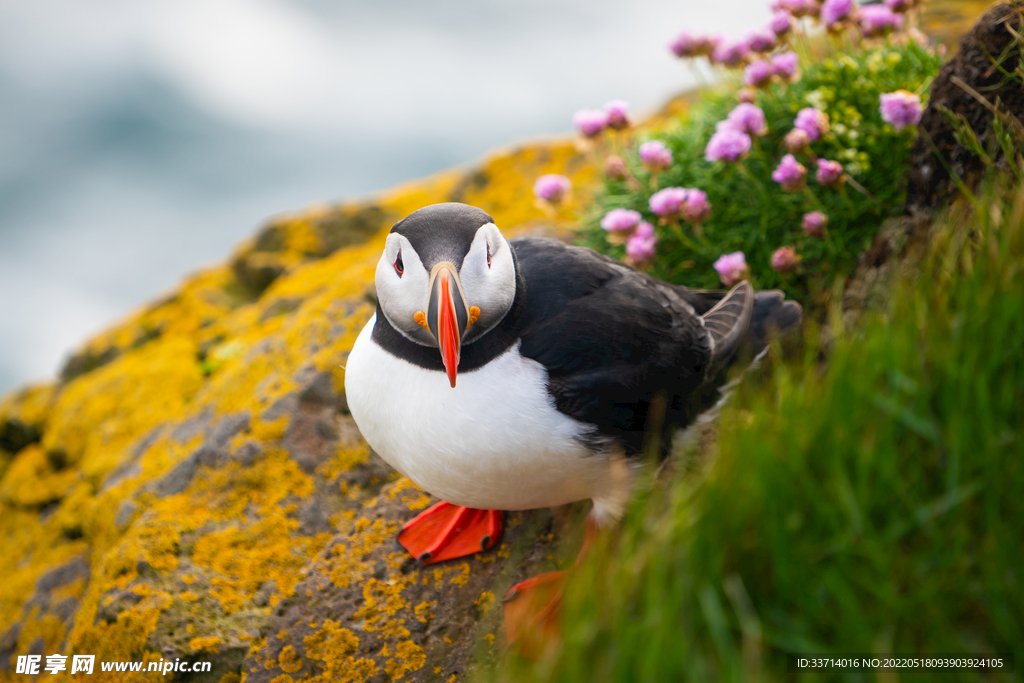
{"x": 517, "y": 374}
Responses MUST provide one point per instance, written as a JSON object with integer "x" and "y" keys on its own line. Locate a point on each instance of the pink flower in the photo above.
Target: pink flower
{"x": 684, "y": 45}
{"x": 812, "y": 121}
{"x": 797, "y": 141}
{"x": 835, "y": 12}
{"x": 785, "y": 259}
{"x": 728, "y": 144}
{"x": 669, "y": 202}
{"x": 640, "y": 245}
{"x": 730, "y": 52}
{"x": 781, "y": 23}
{"x": 552, "y": 187}
{"x": 758, "y": 74}
{"x": 697, "y": 208}
{"x": 732, "y": 268}
{"x": 615, "y": 167}
{"x": 620, "y": 220}
{"x": 655, "y": 156}
{"x": 786, "y": 65}
{"x": 746, "y": 95}
{"x": 687, "y": 45}
{"x": 814, "y": 224}
{"x": 761, "y": 40}
{"x": 900, "y": 6}
{"x": 900, "y": 109}
{"x": 618, "y": 114}
{"x": 746, "y": 118}
{"x": 830, "y": 173}
{"x": 790, "y": 174}
{"x": 798, "y": 8}
{"x": 590, "y": 122}
{"x": 878, "y": 20}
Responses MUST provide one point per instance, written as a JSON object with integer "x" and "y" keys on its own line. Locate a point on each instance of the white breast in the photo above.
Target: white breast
{"x": 495, "y": 441}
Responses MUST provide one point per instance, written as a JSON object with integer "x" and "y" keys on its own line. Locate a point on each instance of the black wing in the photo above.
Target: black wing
{"x": 612, "y": 339}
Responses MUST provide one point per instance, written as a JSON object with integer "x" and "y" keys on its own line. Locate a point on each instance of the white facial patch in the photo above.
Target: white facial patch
{"x": 403, "y": 295}
{"x": 490, "y": 287}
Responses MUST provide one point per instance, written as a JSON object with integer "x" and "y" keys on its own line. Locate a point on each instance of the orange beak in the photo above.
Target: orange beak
{"x": 447, "y": 316}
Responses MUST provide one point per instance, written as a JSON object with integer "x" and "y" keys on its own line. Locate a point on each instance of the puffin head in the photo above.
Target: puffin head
{"x": 447, "y": 277}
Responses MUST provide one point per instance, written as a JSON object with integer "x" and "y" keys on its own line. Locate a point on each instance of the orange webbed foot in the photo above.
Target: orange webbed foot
{"x": 533, "y": 607}
{"x": 532, "y": 612}
{"x": 445, "y": 531}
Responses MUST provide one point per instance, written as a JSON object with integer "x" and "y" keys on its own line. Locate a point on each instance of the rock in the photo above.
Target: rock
{"x": 194, "y": 487}
{"x": 929, "y": 181}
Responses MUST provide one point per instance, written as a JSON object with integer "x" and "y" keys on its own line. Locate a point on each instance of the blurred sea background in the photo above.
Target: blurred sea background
{"x": 139, "y": 141}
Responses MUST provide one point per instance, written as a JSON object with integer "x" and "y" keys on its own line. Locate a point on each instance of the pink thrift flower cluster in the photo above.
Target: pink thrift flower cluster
{"x": 731, "y": 52}
{"x": 746, "y": 118}
{"x": 797, "y": 141}
{"x": 762, "y": 40}
{"x": 873, "y": 20}
{"x": 621, "y": 220}
{"x": 900, "y": 109}
{"x": 668, "y": 203}
{"x": 781, "y": 23}
{"x": 785, "y": 259}
{"x": 697, "y": 208}
{"x": 592, "y": 122}
{"x": 728, "y": 144}
{"x": 786, "y": 66}
{"x": 814, "y": 224}
{"x": 617, "y": 112}
{"x": 900, "y": 6}
{"x": 732, "y": 268}
{"x": 681, "y": 202}
{"x": 790, "y": 174}
{"x": 758, "y": 74}
{"x": 638, "y": 233}
{"x": 878, "y": 20}
{"x": 655, "y": 156}
{"x": 732, "y": 139}
{"x": 812, "y": 121}
{"x": 687, "y": 45}
{"x": 552, "y": 188}
{"x": 640, "y": 247}
{"x": 798, "y": 8}
{"x": 765, "y": 58}
{"x": 830, "y": 173}
{"x": 615, "y": 167}
{"x": 835, "y": 13}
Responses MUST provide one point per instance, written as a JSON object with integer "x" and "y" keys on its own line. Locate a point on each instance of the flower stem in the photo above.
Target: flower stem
{"x": 860, "y": 188}
{"x": 814, "y": 200}
{"x": 701, "y": 81}
{"x": 749, "y": 176}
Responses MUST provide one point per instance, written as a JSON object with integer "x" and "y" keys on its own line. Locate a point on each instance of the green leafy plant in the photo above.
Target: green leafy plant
{"x": 750, "y": 212}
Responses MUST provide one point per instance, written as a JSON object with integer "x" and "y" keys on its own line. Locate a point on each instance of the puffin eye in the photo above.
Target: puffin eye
{"x": 399, "y": 266}
{"x": 488, "y": 256}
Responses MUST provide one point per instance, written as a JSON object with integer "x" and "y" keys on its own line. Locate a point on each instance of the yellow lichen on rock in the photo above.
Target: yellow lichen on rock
{"x": 183, "y": 481}
{"x": 207, "y": 644}
{"x": 336, "y": 648}
{"x": 289, "y": 660}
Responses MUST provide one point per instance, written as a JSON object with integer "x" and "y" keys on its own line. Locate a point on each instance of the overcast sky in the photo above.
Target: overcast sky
{"x": 142, "y": 140}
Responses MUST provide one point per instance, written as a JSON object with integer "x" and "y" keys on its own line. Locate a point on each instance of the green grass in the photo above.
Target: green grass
{"x": 750, "y": 212}
{"x": 873, "y": 503}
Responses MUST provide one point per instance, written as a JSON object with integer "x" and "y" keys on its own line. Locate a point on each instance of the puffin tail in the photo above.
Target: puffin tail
{"x": 773, "y": 317}
{"x": 743, "y": 318}
{"x": 728, "y": 322}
